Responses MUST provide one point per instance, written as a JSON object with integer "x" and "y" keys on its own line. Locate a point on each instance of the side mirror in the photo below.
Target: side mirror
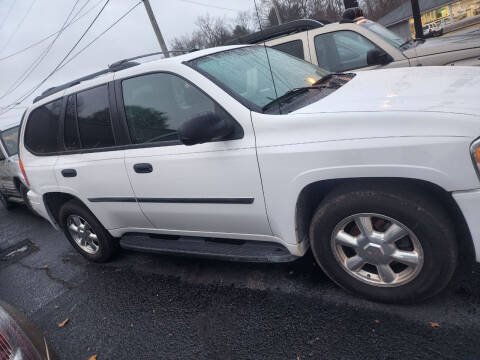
{"x": 378, "y": 57}
{"x": 204, "y": 128}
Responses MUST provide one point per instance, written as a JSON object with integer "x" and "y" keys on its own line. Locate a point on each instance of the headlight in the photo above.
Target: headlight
{"x": 475, "y": 151}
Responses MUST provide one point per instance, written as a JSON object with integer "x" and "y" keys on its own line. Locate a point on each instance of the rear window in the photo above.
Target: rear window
{"x": 41, "y": 132}
{"x": 9, "y": 139}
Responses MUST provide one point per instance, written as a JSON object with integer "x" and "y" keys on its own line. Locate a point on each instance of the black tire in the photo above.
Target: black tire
{"x": 7, "y": 205}
{"x": 427, "y": 220}
{"x": 107, "y": 245}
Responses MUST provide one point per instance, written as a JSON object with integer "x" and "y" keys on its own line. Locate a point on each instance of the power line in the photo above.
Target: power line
{"x": 8, "y": 13}
{"x": 100, "y": 35}
{"x": 28, "y": 47}
{"x": 19, "y": 25}
{"x": 208, "y": 5}
{"x": 24, "y": 76}
{"x": 26, "y": 95}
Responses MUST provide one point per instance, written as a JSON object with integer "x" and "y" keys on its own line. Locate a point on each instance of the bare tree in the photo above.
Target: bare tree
{"x": 216, "y": 31}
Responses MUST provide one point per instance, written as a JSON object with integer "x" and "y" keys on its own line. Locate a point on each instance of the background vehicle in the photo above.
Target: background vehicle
{"x": 226, "y": 153}
{"x": 364, "y": 45}
{"x": 12, "y": 186}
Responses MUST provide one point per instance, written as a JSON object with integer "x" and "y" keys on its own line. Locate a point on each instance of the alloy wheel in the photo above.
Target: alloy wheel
{"x": 377, "y": 250}
{"x": 83, "y": 234}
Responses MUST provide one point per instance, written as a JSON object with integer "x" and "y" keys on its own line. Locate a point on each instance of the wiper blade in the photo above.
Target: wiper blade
{"x": 288, "y": 95}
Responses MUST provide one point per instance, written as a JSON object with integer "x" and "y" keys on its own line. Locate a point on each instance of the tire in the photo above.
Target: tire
{"x": 423, "y": 228}
{"x": 7, "y": 205}
{"x": 100, "y": 250}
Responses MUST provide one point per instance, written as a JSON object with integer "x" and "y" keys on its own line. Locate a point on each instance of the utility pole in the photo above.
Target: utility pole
{"x": 277, "y": 11}
{"x": 155, "y": 27}
{"x": 417, "y": 20}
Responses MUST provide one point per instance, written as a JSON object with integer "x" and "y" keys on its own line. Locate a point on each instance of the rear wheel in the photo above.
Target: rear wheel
{"x": 86, "y": 234}
{"x": 5, "y": 203}
{"x": 386, "y": 244}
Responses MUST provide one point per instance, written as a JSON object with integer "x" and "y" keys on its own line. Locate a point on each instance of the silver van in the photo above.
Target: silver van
{"x": 13, "y": 188}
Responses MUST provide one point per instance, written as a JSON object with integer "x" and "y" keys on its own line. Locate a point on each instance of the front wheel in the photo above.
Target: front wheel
{"x": 385, "y": 244}
{"x": 86, "y": 233}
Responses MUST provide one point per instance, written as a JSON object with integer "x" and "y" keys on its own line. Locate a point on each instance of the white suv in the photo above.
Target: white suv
{"x": 213, "y": 154}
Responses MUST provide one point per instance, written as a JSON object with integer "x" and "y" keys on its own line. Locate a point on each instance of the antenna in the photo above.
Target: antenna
{"x": 266, "y": 53}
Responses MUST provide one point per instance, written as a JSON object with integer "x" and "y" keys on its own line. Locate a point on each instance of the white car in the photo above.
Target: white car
{"x": 377, "y": 172}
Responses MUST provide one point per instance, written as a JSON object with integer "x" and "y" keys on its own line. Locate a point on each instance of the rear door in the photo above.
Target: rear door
{"x": 211, "y": 189}
{"x": 91, "y": 161}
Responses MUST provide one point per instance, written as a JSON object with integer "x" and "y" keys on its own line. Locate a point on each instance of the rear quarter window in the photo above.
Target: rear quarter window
{"x": 294, "y": 48}
{"x": 42, "y": 129}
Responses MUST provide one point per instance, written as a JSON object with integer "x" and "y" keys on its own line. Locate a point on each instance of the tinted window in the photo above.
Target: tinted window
{"x": 342, "y": 50}
{"x": 156, "y": 105}
{"x": 10, "y": 140}
{"x": 41, "y": 132}
{"x": 294, "y": 48}
{"x": 72, "y": 139}
{"x": 93, "y": 113}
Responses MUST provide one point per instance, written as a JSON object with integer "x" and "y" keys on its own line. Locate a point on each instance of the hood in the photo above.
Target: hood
{"x": 444, "y": 44}
{"x": 418, "y": 89}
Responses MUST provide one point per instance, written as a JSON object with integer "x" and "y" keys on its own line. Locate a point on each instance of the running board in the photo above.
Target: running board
{"x": 222, "y": 249}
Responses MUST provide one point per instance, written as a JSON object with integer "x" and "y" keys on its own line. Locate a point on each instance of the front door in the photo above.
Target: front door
{"x": 211, "y": 189}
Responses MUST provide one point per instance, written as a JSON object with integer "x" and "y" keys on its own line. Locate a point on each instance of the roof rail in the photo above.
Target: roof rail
{"x": 278, "y": 30}
{"x": 116, "y": 66}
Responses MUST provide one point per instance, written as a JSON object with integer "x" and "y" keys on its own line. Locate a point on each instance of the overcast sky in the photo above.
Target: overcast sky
{"x": 20, "y": 27}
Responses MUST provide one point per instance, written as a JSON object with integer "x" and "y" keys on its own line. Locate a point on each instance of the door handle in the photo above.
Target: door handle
{"x": 143, "y": 168}
{"x": 69, "y": 173}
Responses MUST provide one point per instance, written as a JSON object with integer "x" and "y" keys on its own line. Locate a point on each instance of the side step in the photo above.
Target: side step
{"x": 222, "y": 249}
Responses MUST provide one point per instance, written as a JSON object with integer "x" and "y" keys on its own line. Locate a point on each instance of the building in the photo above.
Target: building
{"x": 436, "y": 14}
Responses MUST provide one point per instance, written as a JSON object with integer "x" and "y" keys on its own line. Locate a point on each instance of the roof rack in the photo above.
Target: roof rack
{"x": 294, "y": 26}
{"x": 116, "y": 66}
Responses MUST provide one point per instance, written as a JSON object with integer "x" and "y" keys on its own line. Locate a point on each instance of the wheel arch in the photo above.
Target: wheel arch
{"x": 54, "y": 201}
{"x": 312, "y": 194}
{"x": 17, "y": 182}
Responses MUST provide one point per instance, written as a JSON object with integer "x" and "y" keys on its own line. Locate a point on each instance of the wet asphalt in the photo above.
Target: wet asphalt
{"x": 144, "y": 306}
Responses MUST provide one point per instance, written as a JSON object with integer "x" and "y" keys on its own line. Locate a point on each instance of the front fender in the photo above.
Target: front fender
{"x": 287, "y": 170}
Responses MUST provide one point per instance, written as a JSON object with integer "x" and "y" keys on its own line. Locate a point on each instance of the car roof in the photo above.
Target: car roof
{"x": 104, "y": 76}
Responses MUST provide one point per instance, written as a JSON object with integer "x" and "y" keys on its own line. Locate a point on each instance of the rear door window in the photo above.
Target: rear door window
{"x": 42, "y": 129}
{"x": 94, "y": 121}
{"x": 294, "y": 48}
{"x": 71, "y": 132}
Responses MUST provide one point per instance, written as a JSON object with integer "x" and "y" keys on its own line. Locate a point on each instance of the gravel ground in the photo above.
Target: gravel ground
{"x": 143, "y": 306}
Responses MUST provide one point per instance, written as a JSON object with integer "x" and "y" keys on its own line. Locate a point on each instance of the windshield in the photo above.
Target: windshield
{"x": 245, "y": 72}
{"x": 10, "y": 140}
{"x": 383, "y": 32}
